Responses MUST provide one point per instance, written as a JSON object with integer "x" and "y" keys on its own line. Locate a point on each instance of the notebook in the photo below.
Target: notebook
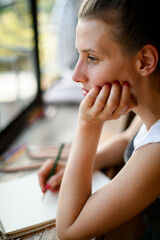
{"x": 24, "y": 210}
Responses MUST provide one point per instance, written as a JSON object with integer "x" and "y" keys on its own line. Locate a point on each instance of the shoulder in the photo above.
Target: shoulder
{"x": 144, "y": 165}
{"x": 139, "y": 178}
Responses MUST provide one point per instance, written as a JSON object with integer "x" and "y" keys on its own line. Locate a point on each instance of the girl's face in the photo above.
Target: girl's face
{"x": 101, "y": 60}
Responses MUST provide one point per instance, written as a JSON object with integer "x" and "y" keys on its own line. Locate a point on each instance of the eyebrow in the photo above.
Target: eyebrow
{"x": 89, "y": 50}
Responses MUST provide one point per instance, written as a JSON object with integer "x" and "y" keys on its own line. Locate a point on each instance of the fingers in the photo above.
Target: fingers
{"x": 132, "y": 104}
{"x": 53, "y": 182}
{"x": 108, "y": 99}
{"x": 110, "y": 102}
{"x": 91, "y": 98}
{"x": 124, "y": 101}
{"x": 96, "y": 99}
{"x": 43, "y": 173}
{"x": 101, "y": 98}
{"x": 118, "y": 100}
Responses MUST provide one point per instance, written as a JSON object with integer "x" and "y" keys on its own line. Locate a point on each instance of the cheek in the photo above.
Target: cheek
{"x": 111, "y": 71}
{"x": 99, "y": 77}
{"x": 97, "y": 80}
{"x": 117, "y": 72}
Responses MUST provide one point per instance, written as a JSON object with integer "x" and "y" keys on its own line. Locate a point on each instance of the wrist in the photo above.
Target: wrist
{"x": 91, "y": 126}
{"x": 90, "y": 122}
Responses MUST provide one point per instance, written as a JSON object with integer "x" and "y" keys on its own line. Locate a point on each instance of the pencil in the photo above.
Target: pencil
{"x": 56, "y": 160}
{"x": 55, "y": 163}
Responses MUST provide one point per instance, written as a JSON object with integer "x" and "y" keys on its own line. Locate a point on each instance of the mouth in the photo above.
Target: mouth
{"x": 85, "y": 91}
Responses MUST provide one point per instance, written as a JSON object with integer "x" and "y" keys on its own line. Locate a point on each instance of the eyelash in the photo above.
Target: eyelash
{"x": 92, "y": 59}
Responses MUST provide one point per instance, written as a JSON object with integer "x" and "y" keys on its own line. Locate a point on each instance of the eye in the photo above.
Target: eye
{"x": 92, "y": 59}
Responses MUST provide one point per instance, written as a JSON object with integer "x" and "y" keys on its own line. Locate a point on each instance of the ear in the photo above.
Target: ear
{"x": 148, "y": 60}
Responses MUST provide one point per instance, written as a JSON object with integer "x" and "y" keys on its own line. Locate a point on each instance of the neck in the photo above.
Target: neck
{"x": 148, "y": 99}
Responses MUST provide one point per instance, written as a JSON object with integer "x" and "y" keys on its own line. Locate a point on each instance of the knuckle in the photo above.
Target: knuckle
{"x": 111, "y": 105}
{"x": 102, "y": 118}
{"x": 124, "y": 103}
{"x": 54, "y": 181}
{"x": 100, "y": 102}
{"x": 94, "y": 114}
{"x": 89, "y": 100}
{"x": 85, "y": 104}
{"x": 116, "y": 116}
{"x": 40, "y": 172}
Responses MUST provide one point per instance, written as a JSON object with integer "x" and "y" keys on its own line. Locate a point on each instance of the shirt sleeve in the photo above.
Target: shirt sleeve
{"x": 146, "y": 137}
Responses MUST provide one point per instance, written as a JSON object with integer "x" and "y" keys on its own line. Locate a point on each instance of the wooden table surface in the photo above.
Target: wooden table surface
{"x": 47, "y": 234}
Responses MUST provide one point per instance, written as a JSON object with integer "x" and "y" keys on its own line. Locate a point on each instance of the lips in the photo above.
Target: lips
{"x": 85, "y": 91}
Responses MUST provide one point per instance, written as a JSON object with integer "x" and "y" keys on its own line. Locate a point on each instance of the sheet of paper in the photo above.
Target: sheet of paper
{"x": 21, "y": 203}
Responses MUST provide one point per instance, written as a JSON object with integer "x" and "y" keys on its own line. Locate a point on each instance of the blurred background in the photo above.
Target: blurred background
{"x": 57, "y": 21}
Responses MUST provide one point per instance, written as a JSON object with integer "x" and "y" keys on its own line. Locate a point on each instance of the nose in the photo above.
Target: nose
{"x": 80, "y": 73}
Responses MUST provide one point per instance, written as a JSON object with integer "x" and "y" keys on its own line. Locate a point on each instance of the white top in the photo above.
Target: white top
{"x": 145, "y": 137}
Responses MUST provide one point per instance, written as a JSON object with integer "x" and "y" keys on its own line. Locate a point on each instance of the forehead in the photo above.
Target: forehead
{"x": 93, "y": 34}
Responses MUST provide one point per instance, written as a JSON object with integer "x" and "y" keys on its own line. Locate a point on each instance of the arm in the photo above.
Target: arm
{"x": 76, "y": 184}
{"x": 82, "y": 215}
{"x": 127, "y": 195}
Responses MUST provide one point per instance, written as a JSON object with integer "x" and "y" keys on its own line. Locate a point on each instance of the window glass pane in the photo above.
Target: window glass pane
{"x": 18, "y": 81}
{"x": 47, "y": 43}
{"x": 57, "y": 25}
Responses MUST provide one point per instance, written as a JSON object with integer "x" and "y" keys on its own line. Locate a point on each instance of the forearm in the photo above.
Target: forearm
{"x": 76, "y": 184}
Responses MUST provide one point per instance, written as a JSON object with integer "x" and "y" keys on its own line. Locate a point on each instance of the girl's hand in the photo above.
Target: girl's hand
{"x": 106, "y": 103}
{"x": 53, "y": 183}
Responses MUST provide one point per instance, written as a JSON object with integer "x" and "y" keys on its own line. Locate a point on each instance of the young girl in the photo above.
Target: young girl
{"x": 118, "y": 43}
